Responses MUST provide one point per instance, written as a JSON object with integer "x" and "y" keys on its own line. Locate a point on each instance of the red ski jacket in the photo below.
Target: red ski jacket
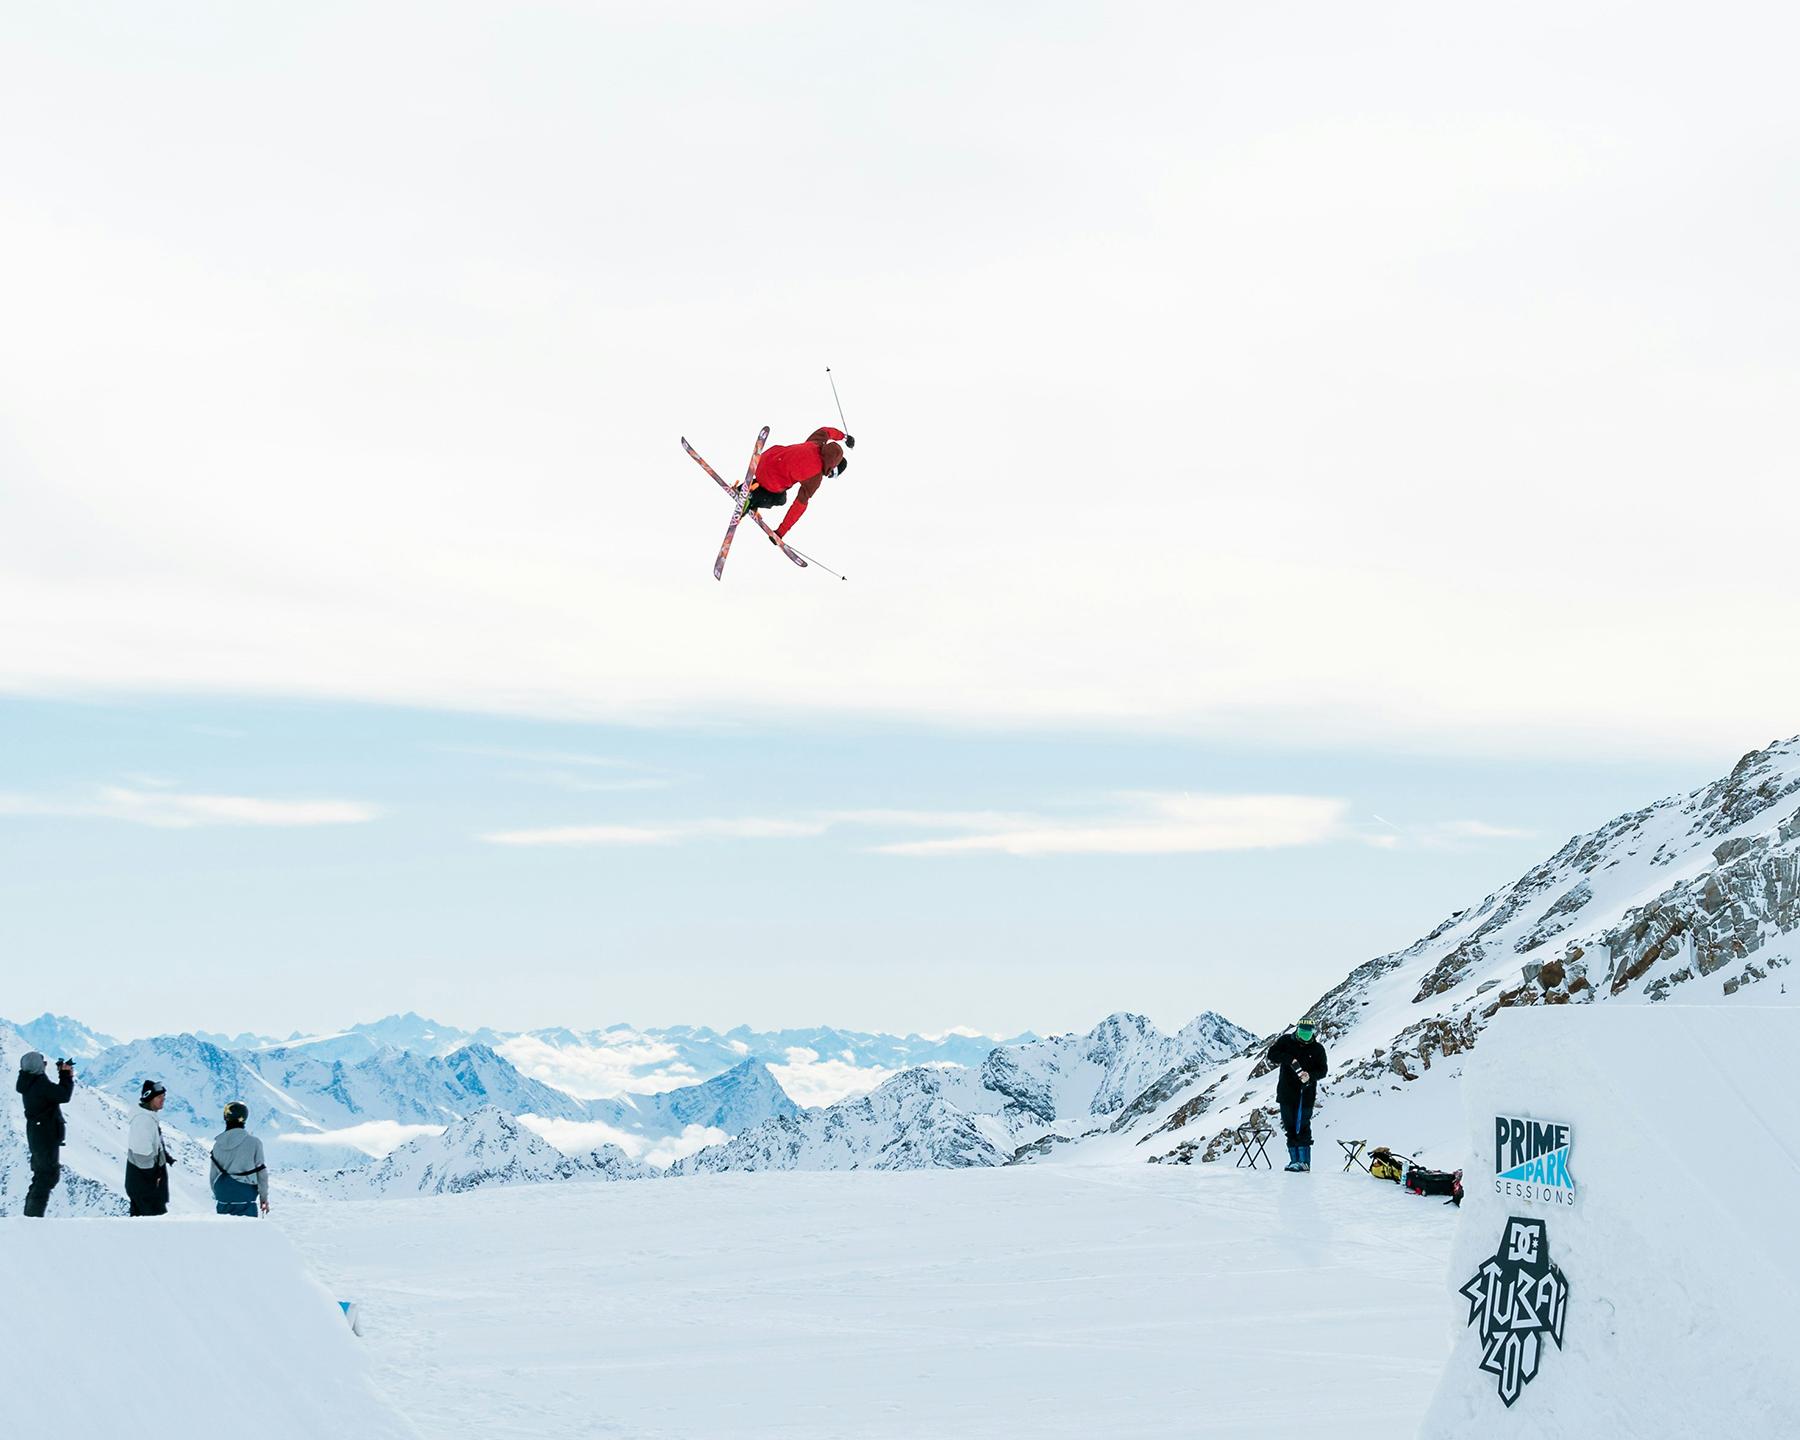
{"x": 784, "y": 466}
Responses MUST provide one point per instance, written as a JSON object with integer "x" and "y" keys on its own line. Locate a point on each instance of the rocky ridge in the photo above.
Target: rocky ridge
{"x": 1695, "y": 898}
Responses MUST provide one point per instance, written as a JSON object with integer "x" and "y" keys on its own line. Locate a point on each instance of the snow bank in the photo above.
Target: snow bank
{"x": 110, "y": 1316}
{"x": 1679, "y": 1253}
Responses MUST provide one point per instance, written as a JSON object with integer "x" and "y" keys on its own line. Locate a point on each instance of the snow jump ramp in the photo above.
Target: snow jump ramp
{"x": 177, "y": 1327}
{"x": 1627, "y": 1261}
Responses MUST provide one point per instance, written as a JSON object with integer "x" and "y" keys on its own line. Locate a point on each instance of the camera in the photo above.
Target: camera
{"x": 64, "y": 1064}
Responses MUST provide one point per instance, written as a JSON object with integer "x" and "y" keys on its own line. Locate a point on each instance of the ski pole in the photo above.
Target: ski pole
{"x": 840, "y": 404}
{"x": 810, "y": 561}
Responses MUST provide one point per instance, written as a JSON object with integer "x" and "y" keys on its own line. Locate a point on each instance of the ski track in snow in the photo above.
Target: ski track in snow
{"x": 1034, "y": 1301}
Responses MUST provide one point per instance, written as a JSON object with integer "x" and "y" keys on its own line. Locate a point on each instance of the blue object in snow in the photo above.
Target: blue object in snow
{"x": 351, "y": 1315}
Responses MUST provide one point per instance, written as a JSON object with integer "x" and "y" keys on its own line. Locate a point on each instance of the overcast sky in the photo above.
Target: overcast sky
{"x": 1266, "y": 416}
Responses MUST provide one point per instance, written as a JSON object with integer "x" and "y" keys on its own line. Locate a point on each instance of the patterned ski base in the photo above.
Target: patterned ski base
{"x": 737, "y": 492}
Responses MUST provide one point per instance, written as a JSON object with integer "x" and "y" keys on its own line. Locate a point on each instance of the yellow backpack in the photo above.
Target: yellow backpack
{"x": 1384, "y": 1164}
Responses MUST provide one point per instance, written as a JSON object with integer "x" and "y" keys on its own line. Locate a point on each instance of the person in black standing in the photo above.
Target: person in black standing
{"x": 45, "y": 1130}
{"x": 146, "y": 1156}
{"x": 1299, "y": 1061}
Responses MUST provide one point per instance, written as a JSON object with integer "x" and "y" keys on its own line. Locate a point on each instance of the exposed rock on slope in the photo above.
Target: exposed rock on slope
{"x": 1696, "y": 897}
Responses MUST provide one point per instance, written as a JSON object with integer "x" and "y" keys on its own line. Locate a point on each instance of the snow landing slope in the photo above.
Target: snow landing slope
{"x": 163, "y": 1330}
{"x": 1695, "y": 898}
{"x": 959, "y": 1116}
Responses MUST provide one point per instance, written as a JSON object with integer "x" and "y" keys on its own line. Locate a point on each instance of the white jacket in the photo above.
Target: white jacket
{"x": 145, "y": 1148}
{"x": 239, "y": 1155}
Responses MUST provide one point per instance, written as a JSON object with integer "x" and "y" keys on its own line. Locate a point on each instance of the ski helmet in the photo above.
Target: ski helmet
{"x": 237, "y": 1114}
{"x": 1306, "y": 1028}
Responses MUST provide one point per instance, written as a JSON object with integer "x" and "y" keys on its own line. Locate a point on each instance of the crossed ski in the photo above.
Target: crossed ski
{"x": 741, "y": 493}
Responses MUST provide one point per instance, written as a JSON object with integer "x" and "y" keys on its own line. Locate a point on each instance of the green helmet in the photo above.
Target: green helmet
{"x": 1307, "y": 1027}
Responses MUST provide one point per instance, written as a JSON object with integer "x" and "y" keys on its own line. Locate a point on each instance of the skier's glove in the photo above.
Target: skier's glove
{"x": 850, "y": 442}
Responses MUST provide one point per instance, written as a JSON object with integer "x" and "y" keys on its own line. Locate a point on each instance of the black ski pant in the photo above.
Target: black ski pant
{"x": 1296, "y": 1118}
{"x": 147, "y": 1190}
{"x": 46, "y": 1171}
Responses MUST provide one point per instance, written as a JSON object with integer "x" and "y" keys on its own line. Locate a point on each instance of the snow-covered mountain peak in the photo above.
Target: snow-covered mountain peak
{"x": 488, "y": 1147}
{"x": 59, "y": 1035}
{"x": 743, "y": 1096}
{"x": 1212, "y": 1035}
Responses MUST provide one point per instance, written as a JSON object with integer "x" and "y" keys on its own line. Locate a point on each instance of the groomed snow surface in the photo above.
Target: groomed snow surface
{"x": 1120, "y": 1300}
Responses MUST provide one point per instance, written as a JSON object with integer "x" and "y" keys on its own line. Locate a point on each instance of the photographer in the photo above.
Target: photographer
{"x": 45, "y": 1130}
{"x": 146, "y": 1157}
{"x": 1300, "y": 1061}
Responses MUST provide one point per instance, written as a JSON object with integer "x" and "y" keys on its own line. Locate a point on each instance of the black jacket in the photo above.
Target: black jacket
{"x": 44, "y": 1099}
{"x": 1289, "y": 1054}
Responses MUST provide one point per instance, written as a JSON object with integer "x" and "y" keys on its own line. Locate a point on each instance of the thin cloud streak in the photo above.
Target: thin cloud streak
{"x": 672, "y": 833}
{"x": 171, "y": 810}
{"x": 564, "y": 780}
{"x": 537, "y": 757}
{"x": 1159, "y": 825}
{"x": 1142, "y": 823}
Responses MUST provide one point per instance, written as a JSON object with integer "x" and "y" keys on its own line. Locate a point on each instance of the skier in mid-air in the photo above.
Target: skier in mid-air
{"x": 1299, "y": 1060}
{"x": 806, "y": 465}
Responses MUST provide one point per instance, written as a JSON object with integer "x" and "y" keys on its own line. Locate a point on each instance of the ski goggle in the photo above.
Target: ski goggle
{"x": 1305, "y": 1032}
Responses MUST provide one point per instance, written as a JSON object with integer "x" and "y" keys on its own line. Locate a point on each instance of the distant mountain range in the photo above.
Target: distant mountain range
{"x": 450, "y": 1121}
{"x": 1036, "y": 1093}
{"x": 320, "y": 1113}
{"x": 327, "y": 1103}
